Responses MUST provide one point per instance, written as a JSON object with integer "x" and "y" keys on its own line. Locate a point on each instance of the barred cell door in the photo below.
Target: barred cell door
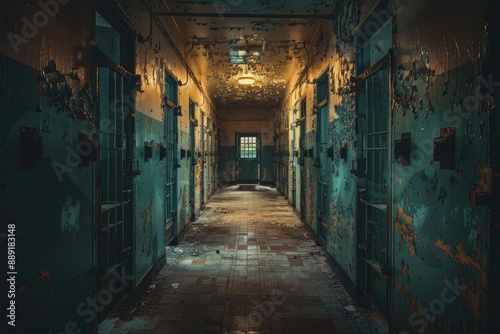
{"x": 193, "y": 162}
{"x": 294, "y": 163}
{"x": 171, "y": 130}
{"x": 114, "y": 109}
{"x": 302, "y": 147}
{"x": 374, "y": 203}
{"x": 114, "y": 228}
{"x": 202, "y": 158}
{"x": 320, "y": 159}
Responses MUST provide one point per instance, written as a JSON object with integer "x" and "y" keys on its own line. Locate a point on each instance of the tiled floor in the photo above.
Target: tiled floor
{"x": 247, "y": 265}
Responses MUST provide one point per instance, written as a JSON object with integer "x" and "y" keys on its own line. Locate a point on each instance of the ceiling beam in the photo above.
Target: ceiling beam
{"x": 249, "y": 15}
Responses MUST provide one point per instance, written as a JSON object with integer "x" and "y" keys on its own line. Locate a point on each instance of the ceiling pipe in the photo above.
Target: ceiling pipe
{"x": 181, "y": 58}
{"x": 180, "y": 83}
{"x": 141, "y": 39}
{"x": 250, "y": 15}
{"x": 303, "y": 75}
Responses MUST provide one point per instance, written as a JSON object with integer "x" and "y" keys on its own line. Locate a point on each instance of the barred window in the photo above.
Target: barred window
{"x": 248, "y": 147}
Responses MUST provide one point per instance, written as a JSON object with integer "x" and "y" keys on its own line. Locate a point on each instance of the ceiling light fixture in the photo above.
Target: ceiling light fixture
{"x": 246, "y": 79}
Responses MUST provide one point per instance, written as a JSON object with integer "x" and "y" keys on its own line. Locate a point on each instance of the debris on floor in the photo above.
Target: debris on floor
{"x": 253, "y": 270}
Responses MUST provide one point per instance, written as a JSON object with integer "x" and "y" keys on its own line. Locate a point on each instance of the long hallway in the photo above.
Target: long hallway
{"x": 246, "y": 265}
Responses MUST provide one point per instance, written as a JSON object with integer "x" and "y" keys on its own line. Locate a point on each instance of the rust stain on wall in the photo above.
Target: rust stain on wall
{"x": 397, "y": 285}
{"x": 473, "y": 293}
{"x": 463, "y": 258}
{"x": 444, "y": 247}
{"x": 406, "y": 272}
{"x": 44, "y": 273}
{"x": 415, "y": 304}
{"x": 406, "y": 230}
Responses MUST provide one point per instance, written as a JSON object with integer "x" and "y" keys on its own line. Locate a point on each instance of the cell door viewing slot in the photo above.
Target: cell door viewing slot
{"x": 248, "y": 157}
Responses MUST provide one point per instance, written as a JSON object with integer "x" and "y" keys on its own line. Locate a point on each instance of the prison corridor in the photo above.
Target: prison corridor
{"x": 246, "y": 265}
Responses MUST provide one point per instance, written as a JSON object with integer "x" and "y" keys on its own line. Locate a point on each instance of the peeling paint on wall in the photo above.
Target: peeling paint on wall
{"x": 73, "y": 97}
{"x": 403, "y": 224}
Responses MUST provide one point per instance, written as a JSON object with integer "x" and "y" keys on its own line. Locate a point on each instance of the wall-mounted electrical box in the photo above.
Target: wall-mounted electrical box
{"x": 358, "y": 167}
{"x": 148, "y": 151}
{"x": 329, "y": 152}
{"x": 134, "y": 167}
{"x": 402, "y": 149}
{"x": 343, "y": 153}
{"x": 163, "y": 152}
{"x": 178, "y": 111}
{"x": 444, "y": 148}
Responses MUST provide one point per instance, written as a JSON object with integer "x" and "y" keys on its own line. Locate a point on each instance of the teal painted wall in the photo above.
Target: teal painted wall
{"x": 442, "y": 239}
{"x": 52, "y": 207}
{"x": 227, "y": 164}
{"x": 440, "y": 234}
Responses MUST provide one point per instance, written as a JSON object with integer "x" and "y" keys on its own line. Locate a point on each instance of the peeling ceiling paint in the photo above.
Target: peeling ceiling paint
{"x": 271, "y": 49}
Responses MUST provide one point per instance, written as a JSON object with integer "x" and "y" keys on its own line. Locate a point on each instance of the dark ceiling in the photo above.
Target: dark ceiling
{"x": 267, "y": 39}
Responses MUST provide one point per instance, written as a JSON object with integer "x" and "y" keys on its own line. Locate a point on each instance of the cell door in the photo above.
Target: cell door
{"x": 294, "y": 160}
{"x": 302, "y": 146}
{"x": 248, "y": 157}
{"x": 320, "y": 160}
{"x": 171, "y": 131}
{"x": 193, "y": 162}
{"x": 115, "y": 107}
{"x": 375, "y": 103}
{"x": 373, "y": 107}
{"x": 202, "y": 158}
{"x": 208, "y": 159}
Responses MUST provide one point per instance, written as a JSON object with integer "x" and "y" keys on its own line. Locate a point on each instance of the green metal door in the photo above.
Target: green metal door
{"x": 248, "y": 157}
{"x": 171, "y": 131}
{"x": 294, "y": 160}
{"x": 375, "y": 146}
{"x": 114, "y": 227}
{"x": 320, "y": 160}
{"x": 115, "y": 129}
{"x": 203, "y": 158}
{"x": 373, "y": 108}
{"x": 193, "y": 161}
{"x": 302, "y": 146}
